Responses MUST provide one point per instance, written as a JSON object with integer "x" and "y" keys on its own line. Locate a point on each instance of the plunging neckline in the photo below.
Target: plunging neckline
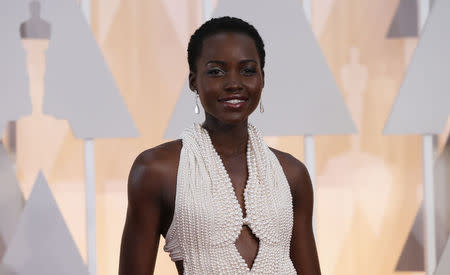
{"x": 207, "y": 222}
{"x": 239, "y": 211}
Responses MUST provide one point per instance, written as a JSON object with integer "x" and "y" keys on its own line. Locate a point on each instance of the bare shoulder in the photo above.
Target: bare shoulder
{"x": 295, "y": 171}
{"x": 153, "y": 171}
{"x": 158, "y": 158}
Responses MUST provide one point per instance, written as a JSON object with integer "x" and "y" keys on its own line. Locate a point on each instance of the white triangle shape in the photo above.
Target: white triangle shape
{"x": 412, "y": 256}
{"x": 42, "y": 243}
{"x": 78, "y": 84}
{"x": 6, "y": 270}
{"x": 431, "y": 4}
{"x": 11, "y": 201}
{"x": 183, "y": 115}
{"x": 14, "y": 90}
{"x": 405, "y": 22}
{"x": 442, "y": 199}
{"x": 443, "y": 267}
{"x": 298, "y": 85}
{"x": 423, "y": 102}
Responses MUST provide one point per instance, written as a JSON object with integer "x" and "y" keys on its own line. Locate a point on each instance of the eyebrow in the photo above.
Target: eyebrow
{"x": 223, "y": 62}
{"x": 248, "y": 60}
{"x": 215, "y": 61}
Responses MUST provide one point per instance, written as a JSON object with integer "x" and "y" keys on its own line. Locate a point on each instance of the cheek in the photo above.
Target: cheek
{"x": 210, "y": 86}
{"x": 208, "y": 97}
{"x": 254, "y": 87}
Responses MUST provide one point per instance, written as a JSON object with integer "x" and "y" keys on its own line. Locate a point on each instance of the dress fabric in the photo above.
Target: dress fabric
{"x": 208, "y": 219}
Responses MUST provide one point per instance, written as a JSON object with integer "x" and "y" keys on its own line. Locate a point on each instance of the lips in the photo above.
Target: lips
{"x": 233, "y": 102}
{"x": 231, "y": 97}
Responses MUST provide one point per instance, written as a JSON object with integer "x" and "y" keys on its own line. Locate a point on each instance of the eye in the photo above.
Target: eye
{"x": 215, "y": 72}
{"x": 248, "y": 71}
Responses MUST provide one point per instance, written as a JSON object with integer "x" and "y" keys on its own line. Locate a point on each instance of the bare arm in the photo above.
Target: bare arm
{"x": 303, "y": 246}
{"x": 141, "y": 233}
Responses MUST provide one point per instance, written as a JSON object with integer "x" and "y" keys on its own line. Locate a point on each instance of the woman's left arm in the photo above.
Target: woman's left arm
{"x": 303, "y": 247}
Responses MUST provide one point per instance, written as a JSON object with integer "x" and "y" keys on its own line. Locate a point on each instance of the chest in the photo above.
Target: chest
{"x": 223, "y": 201}
{"x": 237, "y": 171}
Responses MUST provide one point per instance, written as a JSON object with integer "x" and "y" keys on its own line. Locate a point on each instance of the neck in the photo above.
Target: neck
{"x": 227, "y": 139}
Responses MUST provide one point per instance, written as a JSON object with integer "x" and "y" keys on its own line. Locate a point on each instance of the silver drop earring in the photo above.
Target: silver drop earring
{"x": 261, "y": 107}
{"x": 197, "y": 108}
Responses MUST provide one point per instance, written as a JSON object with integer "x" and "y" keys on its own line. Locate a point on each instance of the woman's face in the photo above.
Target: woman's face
{"x": 229, "y": 78}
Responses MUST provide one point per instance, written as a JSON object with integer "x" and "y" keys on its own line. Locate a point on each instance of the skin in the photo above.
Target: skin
{"x": 228, "y": 65}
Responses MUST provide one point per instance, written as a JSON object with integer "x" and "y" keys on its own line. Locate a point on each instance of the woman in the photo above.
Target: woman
{"x": 225, "y": 202}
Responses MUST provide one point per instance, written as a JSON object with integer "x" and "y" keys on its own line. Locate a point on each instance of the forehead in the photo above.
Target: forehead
{"x": 228, "y": 46}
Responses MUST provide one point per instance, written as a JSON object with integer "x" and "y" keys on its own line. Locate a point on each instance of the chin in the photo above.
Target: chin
{"x": 229, "y": 118}
{"x": 234, "y": 119}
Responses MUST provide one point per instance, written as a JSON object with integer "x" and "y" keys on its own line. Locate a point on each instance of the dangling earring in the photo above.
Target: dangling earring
{"x": 261, "y": 107}
{"x": 196, "y": 109}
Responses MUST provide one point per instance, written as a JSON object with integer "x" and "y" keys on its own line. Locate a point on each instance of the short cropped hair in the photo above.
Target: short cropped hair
{"x": 219, "y": 25}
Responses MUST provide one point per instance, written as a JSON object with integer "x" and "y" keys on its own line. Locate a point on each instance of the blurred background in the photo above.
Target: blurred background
{"x": 368, "y": 186}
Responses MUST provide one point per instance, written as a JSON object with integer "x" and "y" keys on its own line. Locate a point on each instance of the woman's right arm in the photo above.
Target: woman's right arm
{"x": 141, "y": 233}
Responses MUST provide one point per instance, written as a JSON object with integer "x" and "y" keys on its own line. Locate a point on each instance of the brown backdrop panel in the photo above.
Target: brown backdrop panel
{"x": 368, "y": 185}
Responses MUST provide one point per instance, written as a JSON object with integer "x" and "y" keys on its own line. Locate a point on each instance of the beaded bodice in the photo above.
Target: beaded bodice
{"x": 208, "y": 218}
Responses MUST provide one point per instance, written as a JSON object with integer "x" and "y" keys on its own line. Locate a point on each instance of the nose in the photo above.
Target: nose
{"x": 233, "y": 82}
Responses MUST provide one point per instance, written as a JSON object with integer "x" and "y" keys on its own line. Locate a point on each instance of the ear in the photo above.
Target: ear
{"x": 192, "y": 79}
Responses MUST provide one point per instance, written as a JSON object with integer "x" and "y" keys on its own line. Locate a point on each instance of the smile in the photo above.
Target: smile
{"x": 234, "y": 104}
{"x": 234, "y": 101}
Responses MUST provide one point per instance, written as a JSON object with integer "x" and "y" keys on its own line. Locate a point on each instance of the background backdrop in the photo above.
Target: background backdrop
{"x": 368, "y": 185}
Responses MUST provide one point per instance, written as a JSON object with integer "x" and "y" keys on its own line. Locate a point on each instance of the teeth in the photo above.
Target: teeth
{"x": 234, "y": 101}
